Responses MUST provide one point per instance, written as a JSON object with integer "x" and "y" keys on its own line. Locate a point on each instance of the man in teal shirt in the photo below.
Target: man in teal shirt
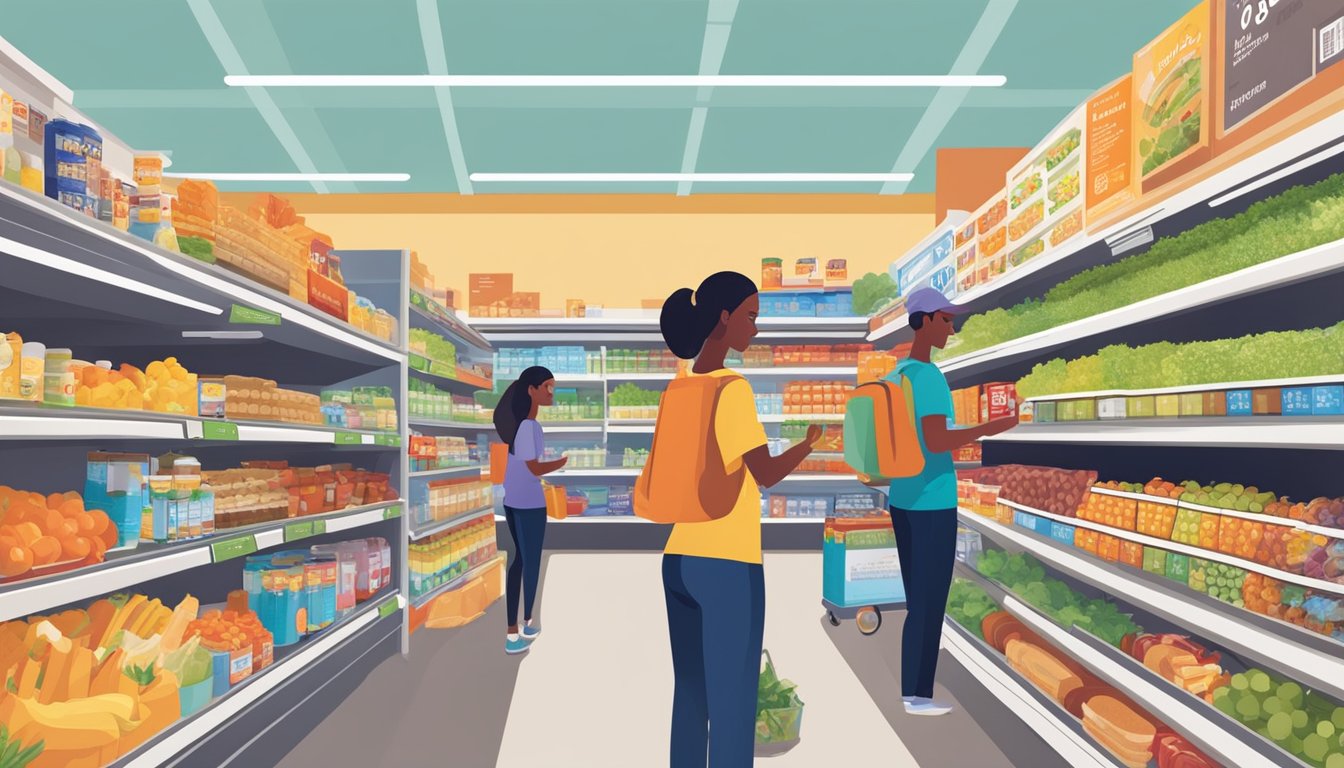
{"x": 924, "y": 507}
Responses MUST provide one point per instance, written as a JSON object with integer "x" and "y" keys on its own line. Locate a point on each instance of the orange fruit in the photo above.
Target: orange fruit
{"x": 100, "y": 521}
{"x": 69, "y": 529}
{"x": 15, "y": 560}
{"x": 28, "y": 533}
{"x": 85, "y": 523}
{"x": 71, "y": 507}
{"x": 46, "y": 550}
{"x": 98, "y": 549}
{"x": 52, "y": 524}
{"x": 109, "y": 535}
{"x": 76, "y": 548}
{"x": 55, "y": 500}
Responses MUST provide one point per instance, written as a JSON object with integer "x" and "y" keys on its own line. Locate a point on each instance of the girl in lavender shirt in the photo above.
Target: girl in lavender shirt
{"x": 524, "y": 500}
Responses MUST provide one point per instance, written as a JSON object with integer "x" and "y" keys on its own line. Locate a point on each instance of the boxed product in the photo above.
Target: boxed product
{"x": 1192, "y": 404}
{"x": 1296, "y": 401}
{"x": 1215, "y": 403}
{"x": 1167, "y": 406}
{"x": 1140, "y": 407}
{"x": 1327, "y": 400}
{"x": 1267, "y": 401}
{"x": 1111, "y": 408}
{"x": 1239, "y": 402}
{"x": 118, "y": 484}
{"x": 998, "y": 400}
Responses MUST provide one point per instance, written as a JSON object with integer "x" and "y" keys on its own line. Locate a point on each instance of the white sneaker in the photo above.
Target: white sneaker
{"x": 925, "y": 707}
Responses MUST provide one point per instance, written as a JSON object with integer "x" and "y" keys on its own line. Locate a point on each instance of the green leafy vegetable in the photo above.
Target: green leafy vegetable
{"x": 872, "y": 291}
{"x": 1024, "y": 576}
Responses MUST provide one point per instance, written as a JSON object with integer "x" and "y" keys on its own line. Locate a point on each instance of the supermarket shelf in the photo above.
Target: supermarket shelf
{"x": 817, "y": 521}
{"x": 454, "y": 328}
{"x": 449, "y": 586}
{"x": 562, "y": 379}
{"x": 966, "y": 465}
{"x": 1188, "y": 208}
{"x": 447, "y": 471}
{"x": 1302, "y": 432}
{"x": 35, "y": 422}
{"x": 659, "y": 376}
{"x": 454, "y": 385}
{"x": 197, "y": 731}
{"x": 631, "y": 427}
{"x": 643, "y": 329}
{"x": 441, "y": 424}
{"x": 808, "y": 477}
{"x": 818, "y": 418}
{"x": 1039, "y": 712}
{"x": 777, "y": 372}
{"x": 1174, "y": 546}
{"x": 115, "y": 273}
{"x": 571, "y": 427}
{"x": 1300, "y": 381}
{"x": 1207, "y": 728}
{"x": 440, "y": 526}
{"x": 1305, "y": 656}
{"x": 152, "y": 561}
{"x": 1301, "y": 267}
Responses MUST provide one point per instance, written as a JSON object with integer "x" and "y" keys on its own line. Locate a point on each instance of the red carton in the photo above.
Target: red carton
{"x": 328, "y": 295}
{"x": 998, "y": 400}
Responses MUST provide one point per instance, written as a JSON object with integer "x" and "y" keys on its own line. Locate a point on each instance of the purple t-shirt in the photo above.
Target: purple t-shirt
{"x": 522, "y": 489}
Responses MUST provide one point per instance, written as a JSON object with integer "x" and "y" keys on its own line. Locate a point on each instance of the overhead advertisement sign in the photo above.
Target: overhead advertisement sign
{"x": 1270, "y": 47}
{"x": 932, "y": 266}
{"x": 1171, "y": 88}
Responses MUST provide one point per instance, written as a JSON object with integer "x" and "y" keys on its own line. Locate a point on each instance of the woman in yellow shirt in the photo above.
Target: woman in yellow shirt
{"x": 712, "y": 576}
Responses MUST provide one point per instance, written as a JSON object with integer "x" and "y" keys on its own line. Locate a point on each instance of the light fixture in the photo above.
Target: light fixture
{"x": 292, "y": 176}
{"x": 767, "y": 178}
{"x": 616, "y": 81}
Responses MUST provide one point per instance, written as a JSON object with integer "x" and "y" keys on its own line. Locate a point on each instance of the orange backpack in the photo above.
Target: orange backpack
{"x": 685, "y": 479}
{"x": 880, "y": 437}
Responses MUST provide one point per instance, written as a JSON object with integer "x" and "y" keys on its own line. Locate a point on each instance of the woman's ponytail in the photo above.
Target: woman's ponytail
{"x": 689, "y": 317}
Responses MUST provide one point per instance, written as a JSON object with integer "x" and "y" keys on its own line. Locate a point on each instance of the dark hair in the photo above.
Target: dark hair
{"x": 689, "y": 317}
{"x": 917, "y": 319}
{"x": 515, "y": 404}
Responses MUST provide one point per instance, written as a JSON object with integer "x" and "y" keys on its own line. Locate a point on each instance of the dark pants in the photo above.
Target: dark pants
{"x": 528, "y": 529}
{"x": 716, "y": 617}
{"x": 926, "y": 541}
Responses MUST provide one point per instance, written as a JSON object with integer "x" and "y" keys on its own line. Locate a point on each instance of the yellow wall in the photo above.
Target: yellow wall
{"x": 617, "y": 259}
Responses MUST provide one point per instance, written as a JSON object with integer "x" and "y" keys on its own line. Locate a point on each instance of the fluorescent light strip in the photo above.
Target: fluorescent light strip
{"x": 607, "y": 178}
{"x": 292, "y": 176}
{"x": 46, "y": 259}
{"x": 616, "y": 81}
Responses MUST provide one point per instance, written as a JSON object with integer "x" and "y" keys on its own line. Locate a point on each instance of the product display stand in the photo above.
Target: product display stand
{"x": 614, "y": 436}
{"x": 72, "y": 281}
{"x": 1288, "y": 452}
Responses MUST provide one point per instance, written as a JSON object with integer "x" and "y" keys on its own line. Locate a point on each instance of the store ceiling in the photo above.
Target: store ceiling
{"x": 152, "y": 72}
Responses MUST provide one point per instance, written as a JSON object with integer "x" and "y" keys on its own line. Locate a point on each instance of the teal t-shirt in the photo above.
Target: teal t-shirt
{"x": 936, "y": 486}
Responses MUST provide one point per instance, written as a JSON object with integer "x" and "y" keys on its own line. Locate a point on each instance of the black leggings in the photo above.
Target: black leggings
{"x": 528, "y": 529}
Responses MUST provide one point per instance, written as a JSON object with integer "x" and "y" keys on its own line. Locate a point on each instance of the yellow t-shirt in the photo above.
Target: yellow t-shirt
{"x": 737, "y": 535}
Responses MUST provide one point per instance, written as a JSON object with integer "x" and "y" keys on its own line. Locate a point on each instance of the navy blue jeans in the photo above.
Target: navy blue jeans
{"x": 926, "y": 541}
{"x": 528, "y": 529}
{"x": 716, "y": 618}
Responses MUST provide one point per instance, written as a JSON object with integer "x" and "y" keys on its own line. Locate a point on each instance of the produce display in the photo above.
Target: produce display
{"x": 1059, "y": 491}
{"x": 968, "y": 605}
{"x": 434, "y": 354}
{"x": 1305, "y": 724}
{"x": 1260, "y": 357}
{"x": 873, "y": 291}
{"x": 630, "y": 401}
{"x": 42, "y": 534}
{"x": 1023, "y": 575}
{"x": 1296, "y": 220}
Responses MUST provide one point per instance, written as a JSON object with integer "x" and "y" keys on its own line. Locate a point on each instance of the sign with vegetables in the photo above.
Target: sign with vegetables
{"x": 1110, "y": 148}
{"x": 1171, "y": 78}
{"x": 1270, "y": 47}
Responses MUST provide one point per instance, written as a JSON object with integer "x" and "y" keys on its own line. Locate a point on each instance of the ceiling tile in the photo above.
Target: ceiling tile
{"x": 587, "y": 37}
{"x": 341, "y": 37}
{"x": 392, "y": 141}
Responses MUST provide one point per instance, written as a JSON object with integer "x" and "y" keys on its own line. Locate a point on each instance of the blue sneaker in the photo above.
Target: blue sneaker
{"x": 531, "y": 632}
{"x": 515, "y": 647}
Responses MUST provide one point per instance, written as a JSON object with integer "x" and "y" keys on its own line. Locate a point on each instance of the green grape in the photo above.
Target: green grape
{"x": 1334, "y": 760}
{"x": 1315, "y": 747}
{"x": 1239, "y": 682}
{"x": 1227, "y": 704}
{"x": 1337, "y": 718}
{"x": 1300, "y": 719}
{"x": 1293, "y": 744}
{"x": 1280, "y": 726}
{"x": 1273, "y": 705}
{"x": 1325, "y": 728}
{"x": 1248, "y": 708}
{"x": 1259, "y": 682}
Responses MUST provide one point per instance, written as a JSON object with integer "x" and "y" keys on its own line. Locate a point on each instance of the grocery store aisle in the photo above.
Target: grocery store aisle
{"x": 596, "y": 689}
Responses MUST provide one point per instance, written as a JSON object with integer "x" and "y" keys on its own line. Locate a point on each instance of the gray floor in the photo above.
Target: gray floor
{"x": 452, "y": 702}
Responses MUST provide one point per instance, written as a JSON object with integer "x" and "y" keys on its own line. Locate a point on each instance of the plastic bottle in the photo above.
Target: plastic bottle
{"x": 160, "y": 510}
{"x": 31, "y": 368}
{"x": 186, "y": 491}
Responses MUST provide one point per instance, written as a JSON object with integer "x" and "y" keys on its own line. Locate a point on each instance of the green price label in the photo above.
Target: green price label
{"x": 418, "y": 300}
{"x": 232, "y": 548}
{"x": 248, "y": 316}
{"x": 391, "y": 512}
{"x": 387, "y": 609}
{"x": 349, "y": 438}
{"x": 419, "y": 363}
{"x": 295, "y": 531}
{"x": 219, "y": 430}
{"x": 392, "y": 440}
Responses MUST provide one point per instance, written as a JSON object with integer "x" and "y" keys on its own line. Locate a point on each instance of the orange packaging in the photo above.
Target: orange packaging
{"x": 1131, "y": 554}
{"x": 1110, "y": 148}
{"x": 328, "y": 295}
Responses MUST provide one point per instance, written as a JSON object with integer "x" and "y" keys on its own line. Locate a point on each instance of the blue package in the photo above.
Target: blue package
{"x": 1327, "y": 400}
{"x": 1062, "y": 533}
{"x": 1239, "y": 402}
{"x": 1296, "y": 401}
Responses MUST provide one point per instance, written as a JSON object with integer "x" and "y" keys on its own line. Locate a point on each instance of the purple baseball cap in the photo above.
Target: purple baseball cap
{"x": 930, "y": 300}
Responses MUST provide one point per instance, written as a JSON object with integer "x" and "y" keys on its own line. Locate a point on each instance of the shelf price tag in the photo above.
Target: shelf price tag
{"x": 349, "y": 438}
{"x": 418, "y": 362}
{"x": 389, "y": 440}
{"x": 304, "y": 530}
{"x": 229, "y": 549}
{"x": 392, "y": 512}
{"x": 219, "y": 430}
{"x": 388, "y": 608}
{"x": 242, "y": 315}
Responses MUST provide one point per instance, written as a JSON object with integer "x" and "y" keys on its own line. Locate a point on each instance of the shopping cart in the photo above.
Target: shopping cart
{"x": 860, "y": 571}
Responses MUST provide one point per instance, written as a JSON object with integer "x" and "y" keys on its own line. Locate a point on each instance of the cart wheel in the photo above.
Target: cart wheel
{"x": 868, "y": 620}
{"x": 831, "y": 616}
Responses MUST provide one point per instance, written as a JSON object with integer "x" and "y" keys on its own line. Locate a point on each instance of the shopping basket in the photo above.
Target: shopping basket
{"x": 861, "y": 571}
{"x": 779, "y": 712}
